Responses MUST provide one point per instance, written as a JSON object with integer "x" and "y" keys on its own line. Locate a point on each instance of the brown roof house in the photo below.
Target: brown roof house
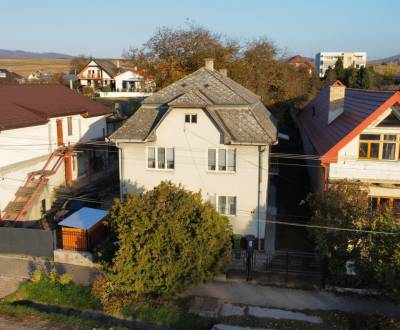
{"x": 42, "y": 127}
{"x": 208, "y": 133}
{"x": 299, "y": 62}
{"x": 355, "y": 135}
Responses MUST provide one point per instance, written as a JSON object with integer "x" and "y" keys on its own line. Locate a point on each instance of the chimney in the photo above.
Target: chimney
{"x": 224, "y": 72}
{"x": 336, "y": 100}
{"x": 209, "y": 64}
{"x": 118, "y": 64}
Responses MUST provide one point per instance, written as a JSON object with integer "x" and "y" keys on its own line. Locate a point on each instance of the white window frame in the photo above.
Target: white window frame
{"x": 227, "y": 152}
{"x": 228, "y": 209}
{"x": 156, "y": 168}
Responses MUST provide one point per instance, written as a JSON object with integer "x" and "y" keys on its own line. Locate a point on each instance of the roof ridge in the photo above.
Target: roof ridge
{"x": 221, "y": 78}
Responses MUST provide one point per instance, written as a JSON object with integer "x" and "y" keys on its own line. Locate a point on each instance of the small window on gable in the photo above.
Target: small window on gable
{"x": 191, "y": 118}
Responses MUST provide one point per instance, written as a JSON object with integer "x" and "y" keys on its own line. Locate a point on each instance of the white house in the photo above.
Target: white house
{"x": 209, "y": 134}
{"x": 355, "y": 135}
{"x": 98, "y": 73}
{"x": 324, "y": 60}
{"x": 44, "y": 130}
{"x": 129, "y": 80}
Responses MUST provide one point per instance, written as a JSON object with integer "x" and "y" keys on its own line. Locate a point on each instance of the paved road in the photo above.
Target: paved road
{"x": 251, "y": 294}
{"x": 15, "y": 269}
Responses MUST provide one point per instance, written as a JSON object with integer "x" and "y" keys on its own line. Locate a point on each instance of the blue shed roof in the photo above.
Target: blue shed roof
{"x": 85, "y": 218}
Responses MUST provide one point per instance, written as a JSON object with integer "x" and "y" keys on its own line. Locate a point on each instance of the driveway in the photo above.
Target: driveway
{"x": 293, "y": 299}
{"x": 9, "y": 285}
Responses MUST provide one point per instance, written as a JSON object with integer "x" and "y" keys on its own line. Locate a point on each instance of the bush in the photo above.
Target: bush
{"x": 65, "y": 279}
{"x": 87, "y": 90}
{"x": 37, "y": 276}
{"x": 53, "y": 275}
{"x": 169, "y": 240}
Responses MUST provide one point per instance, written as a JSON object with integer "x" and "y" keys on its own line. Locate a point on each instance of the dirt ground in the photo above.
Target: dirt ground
{"x": 25, "y": 66}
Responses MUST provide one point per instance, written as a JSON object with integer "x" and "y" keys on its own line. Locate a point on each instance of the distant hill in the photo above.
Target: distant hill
{"x": 393, "y": 58}
{"x": 4, "y": 53}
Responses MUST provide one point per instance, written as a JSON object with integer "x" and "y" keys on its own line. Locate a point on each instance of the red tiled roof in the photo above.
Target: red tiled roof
{"x": 29, "y": 105}
{"x": 361, "y": 107}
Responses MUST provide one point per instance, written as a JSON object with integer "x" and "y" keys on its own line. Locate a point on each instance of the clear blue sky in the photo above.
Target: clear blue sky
{"x": 104, "y": 28}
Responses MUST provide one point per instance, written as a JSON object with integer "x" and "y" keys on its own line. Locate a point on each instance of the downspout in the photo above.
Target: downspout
{"x": 260, "y": 167}
{"x": 121, "y": 179}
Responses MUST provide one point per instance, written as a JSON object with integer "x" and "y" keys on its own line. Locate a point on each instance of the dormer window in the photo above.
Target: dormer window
{"x": 191, "y": 118}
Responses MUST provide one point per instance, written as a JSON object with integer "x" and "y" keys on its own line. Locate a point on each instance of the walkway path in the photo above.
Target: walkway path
{"x": 257, "y": 295}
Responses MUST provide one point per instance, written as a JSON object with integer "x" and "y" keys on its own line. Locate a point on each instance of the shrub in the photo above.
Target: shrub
{"x": 87, "y": 90}
{"x": 65, "y": 279}
{"x": 37, "y": 276}
{"x": 53, "y": 275}
{"x": 169, "y": 240}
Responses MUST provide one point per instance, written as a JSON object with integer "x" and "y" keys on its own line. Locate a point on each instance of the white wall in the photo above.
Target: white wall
{"x": 191, "y": 143}
{"x": 25, "y": 150}
{"x": 129, "y": 76}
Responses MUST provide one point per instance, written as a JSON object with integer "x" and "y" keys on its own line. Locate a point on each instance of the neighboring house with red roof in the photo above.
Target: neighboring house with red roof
{"x": 41, "y": 126}
{"x": 299, "y": 61}
{"x": 208, "y": 133}
{"x": 355, "y": 135}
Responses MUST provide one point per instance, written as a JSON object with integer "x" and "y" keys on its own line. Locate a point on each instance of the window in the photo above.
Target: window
{"x": 389, "y": 147}
{"x": 69, "y": 122}
{"x": 212, "y": 159}
{"x": 161, "y": 158}
{"x": 170, "y": 158}
{"x": 379, "y": 146}
{"x": 225, "y": 158}
{"x": 151, "y": 158}
{"x": 221, "y": 160}
{"x": 225, "y": 204}
{"x": 191, "y": 118}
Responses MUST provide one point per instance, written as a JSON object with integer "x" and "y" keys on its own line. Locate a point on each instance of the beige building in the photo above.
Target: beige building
{"x": 324, "y": 60}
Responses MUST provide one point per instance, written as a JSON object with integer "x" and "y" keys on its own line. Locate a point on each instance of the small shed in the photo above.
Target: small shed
{"x": 83, "y": 229}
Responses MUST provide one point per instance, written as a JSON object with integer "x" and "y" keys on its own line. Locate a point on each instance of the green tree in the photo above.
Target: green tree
{"x": 376, "y": 256}
{"x": 363, "y": 78}
{"x": 339, "y": 69}
{"x": 330, "y": 74}
{"x": 351, "y": 75}
{"x": 169, "y": 239}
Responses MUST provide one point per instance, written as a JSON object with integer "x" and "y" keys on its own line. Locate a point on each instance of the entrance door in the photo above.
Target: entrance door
{"x": 60, "y": 139}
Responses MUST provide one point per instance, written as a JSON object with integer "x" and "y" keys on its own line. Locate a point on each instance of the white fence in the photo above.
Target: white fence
{"x": 123, "y": 94}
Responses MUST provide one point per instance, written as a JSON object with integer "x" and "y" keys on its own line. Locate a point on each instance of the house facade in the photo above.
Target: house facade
{"x": 324, "y": 60}
{"x": 209, "y": 134}
{"x": 47, "y": 134}
{"x": 355, "y": 135}
{"x": 102, "y": 73}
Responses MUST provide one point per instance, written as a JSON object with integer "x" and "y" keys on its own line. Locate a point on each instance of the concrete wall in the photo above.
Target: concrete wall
{"x": 191, "y": 143}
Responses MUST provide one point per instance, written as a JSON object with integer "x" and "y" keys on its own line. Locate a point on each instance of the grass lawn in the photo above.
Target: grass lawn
{"x": 45, "y": 291}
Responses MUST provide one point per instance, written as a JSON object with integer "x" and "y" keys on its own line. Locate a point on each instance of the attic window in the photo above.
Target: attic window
{"x": 206, "y": 85}
{"x": 191, "y": 118}
{"x": 313, "y": 111}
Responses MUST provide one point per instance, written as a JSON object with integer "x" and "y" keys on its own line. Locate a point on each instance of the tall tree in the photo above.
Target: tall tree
{"x": 351, "y": 77}
{"x": 339, "y": 69}
{"x": 363, "y": 78}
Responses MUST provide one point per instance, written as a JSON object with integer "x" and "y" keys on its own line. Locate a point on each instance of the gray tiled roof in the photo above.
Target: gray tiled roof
{"x": 237, "y": 111}
{"x": 107, "y": 66}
